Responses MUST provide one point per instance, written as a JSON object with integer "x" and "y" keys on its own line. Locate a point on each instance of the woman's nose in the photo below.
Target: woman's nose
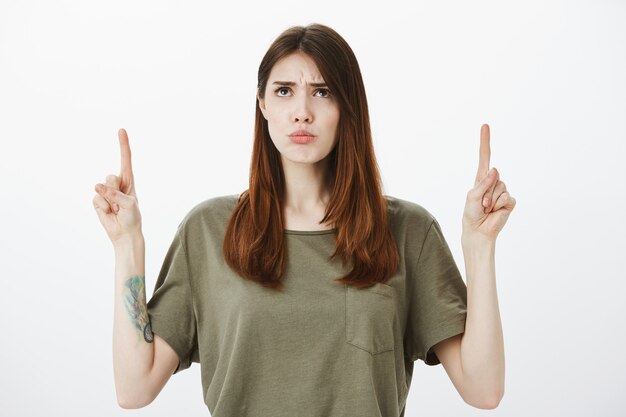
{"x": 302, "y": 110}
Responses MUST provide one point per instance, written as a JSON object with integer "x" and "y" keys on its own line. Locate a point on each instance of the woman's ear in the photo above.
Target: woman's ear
{"x": 261, "y": 105}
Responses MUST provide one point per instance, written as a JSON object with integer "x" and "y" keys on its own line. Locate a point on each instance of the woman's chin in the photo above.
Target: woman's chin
{"x": 301, "y": 158}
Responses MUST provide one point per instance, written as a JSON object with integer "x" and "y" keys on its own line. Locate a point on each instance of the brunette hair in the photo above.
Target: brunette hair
{"x": 254, "y": 242}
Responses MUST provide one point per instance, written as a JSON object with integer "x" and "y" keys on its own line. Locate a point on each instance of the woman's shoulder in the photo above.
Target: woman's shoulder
{"x": 212, "y": 209}
{"x": 407, "y": 218}
{"x": 405, "y": 210}
{"x": 217, "y": 203}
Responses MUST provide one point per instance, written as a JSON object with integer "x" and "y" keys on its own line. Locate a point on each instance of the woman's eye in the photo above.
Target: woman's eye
{"x": 325, "y": 91}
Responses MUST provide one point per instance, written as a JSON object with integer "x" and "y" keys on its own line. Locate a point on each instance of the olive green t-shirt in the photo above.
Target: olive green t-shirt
{"x": 320, "y": 349}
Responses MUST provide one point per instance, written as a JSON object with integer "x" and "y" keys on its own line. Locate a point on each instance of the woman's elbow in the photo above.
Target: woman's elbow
{"x": 487, "y": 401}
{"x": 128, "y": 404}
{"x": 133, "y": 402}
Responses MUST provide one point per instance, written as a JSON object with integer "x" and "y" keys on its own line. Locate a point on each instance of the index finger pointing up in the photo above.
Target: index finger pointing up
{"x": 484, "y": 153}
{"x": 126, "y": 167}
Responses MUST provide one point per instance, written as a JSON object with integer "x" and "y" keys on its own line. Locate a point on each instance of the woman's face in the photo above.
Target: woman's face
{"x": 296, "y": 98}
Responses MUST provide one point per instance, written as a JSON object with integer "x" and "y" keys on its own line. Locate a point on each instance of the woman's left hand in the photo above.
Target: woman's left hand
{"x": 488, "y": 204}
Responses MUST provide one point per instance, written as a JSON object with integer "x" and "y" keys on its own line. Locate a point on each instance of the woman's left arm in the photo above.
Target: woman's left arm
{"x": 474, "y": 360}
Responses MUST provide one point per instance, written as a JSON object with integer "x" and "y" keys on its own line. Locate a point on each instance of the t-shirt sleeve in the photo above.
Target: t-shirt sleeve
{"x": 437, "y": 296}
{"x": 170, "y": 309}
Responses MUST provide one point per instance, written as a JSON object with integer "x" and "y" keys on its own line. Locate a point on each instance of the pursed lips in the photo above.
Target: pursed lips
{"x": 301, "y": 132}
{"x": 302, "y": 137}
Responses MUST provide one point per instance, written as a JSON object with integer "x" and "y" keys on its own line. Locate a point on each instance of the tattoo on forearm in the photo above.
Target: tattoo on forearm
{"x": 135, "y": 297}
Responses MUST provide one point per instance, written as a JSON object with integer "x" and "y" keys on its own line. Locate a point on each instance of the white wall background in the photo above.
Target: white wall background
{"x": 180, "y": 77}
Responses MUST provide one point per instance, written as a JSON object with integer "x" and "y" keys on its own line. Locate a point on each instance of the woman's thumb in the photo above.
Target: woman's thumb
{"x": 488, "y": 182}
{"x": 113, "y": 196}
{"x": 100, "y": 211}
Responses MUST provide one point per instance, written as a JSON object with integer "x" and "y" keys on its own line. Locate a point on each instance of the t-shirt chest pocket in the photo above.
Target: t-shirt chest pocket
{"x": 370, "y": 315}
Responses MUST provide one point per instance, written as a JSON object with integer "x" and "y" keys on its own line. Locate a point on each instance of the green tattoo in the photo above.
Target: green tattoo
{"x": 135, "y": 298}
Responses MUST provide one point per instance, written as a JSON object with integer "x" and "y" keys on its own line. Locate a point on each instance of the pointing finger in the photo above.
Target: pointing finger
{"x": 484, "y": 153}
{"x": 127, "y": 180}
{"x": 126, "y": 165}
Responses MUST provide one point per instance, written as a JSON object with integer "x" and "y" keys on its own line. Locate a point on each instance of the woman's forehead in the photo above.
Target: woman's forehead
{"x": 296, "y": 68}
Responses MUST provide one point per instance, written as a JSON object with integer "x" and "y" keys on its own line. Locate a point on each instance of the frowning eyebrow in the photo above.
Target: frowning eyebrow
{"x": 291, "y": 83}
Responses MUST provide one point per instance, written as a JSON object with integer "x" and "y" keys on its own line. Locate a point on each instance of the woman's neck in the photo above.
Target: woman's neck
{"x": 306, "y": 186}
{"x": 307, "y": 192}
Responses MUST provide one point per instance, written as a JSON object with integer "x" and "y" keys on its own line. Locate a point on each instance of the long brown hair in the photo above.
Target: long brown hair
{"x": 254, "y": 242}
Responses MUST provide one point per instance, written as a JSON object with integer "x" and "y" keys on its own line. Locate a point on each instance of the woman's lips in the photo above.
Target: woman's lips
{"x": 302, "y": 139}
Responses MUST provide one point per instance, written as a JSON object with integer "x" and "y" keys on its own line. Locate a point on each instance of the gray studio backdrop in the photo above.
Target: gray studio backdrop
{"x": 180, "y": 77}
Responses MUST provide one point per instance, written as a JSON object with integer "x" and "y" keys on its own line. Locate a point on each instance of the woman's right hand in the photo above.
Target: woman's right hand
{"x": 116, "y": 200}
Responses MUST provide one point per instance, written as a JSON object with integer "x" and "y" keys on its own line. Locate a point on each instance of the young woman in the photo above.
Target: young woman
{"x": 311, "y": 292}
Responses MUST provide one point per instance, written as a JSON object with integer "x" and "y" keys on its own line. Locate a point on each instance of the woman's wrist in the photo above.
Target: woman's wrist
{"x": 475, "y": 240}
{"x": 127, "y": 242}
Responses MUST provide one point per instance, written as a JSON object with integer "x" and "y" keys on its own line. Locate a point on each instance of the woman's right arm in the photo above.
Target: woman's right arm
{"x": 142, "y": 362}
